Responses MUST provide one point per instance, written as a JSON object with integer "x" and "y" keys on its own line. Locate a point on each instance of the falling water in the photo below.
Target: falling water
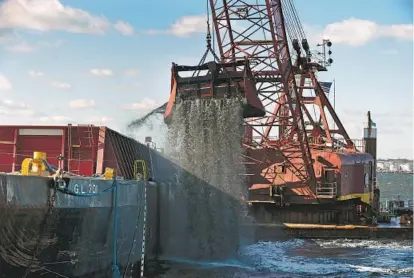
{"x": 205, "y": 141}
{"x": 137, "y": 123}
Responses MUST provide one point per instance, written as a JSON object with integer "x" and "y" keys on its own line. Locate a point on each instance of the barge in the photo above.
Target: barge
{"x": 274, "y": 232}
{"x": 79, "y": 208}
{"x": 71, "y": 229}
{"x": 62, "y": 213}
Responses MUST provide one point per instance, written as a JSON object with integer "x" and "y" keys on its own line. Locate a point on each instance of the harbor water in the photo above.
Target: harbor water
{"x": 310, "y": 258}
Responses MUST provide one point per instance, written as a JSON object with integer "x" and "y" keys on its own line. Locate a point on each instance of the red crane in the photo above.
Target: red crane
{"x": 270, "y": 35}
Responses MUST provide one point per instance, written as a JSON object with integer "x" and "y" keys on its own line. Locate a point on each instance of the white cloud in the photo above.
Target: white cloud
{"x": 36, "y": 73}
{"x": 143, "y": 105}
{"x": 19, "y": 114}
{"x": 357, "y": 32}
{"x": 55, "y": 119}
{"x": 11, "y": 104}
{"x": 101, "y": 72}
{"x": 5, "y": 84}
{"x": 81, "y": 103}
{"x": 399, "y": 31}
{"x": 124, "y": 28}
{"x": 10, "y": 107}
{"x": 185, "y": 26}
{"x": 61, "y": 85}
{"x": 49, "y": 15}
{"x": 188, "y": 25}
{"x": 22, "y": 47}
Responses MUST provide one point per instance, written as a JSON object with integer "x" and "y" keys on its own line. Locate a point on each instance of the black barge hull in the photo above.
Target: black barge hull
{"x": 186, "y": 218}
{"x": 74, "y": 236}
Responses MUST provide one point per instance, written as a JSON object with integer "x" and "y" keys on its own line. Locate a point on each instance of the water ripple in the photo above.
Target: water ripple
{"x": 308, "y": 258}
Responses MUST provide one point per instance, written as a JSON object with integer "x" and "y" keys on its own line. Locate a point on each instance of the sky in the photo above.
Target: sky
{"x": 97, "y": 62}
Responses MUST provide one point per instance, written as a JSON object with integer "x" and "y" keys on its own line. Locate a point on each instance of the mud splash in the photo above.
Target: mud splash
{"x": 205, "y": 139}
{"x": 135, "y": 124}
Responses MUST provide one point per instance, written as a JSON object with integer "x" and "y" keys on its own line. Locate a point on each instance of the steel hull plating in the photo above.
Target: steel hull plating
{"x": 331, "y": 212}
{"x": 77, "y": 240}
{"x": 77, "y": 237}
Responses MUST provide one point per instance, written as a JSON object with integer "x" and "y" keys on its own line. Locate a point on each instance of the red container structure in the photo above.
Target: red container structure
{"x": 86, "y": 149}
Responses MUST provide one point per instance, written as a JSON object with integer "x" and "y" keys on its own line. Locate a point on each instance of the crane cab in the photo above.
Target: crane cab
{"x": 221, "y": 80}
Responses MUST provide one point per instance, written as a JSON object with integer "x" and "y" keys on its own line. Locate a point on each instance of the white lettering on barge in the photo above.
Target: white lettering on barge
{"x": 85, "y": 189}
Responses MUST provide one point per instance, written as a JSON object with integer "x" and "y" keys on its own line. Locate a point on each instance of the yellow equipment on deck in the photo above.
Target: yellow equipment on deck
{"x": 35, "y": 166}
{"x": 140, "y": 170}
{"x": 109, "y": 173}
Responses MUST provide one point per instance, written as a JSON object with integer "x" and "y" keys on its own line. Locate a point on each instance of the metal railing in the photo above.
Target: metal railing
{"x": 327, "y": 189}
{"x": 392, "y": 206}
{"x": 140, "y": 170}
{"x": 359, "y": 144}
{"x": 320, "y": 141}
{"x": 257, "y": 138}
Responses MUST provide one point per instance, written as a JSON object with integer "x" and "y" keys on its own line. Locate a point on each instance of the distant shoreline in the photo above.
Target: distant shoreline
{"x": 400, "y": 160}
{"x": 396, "y": 172}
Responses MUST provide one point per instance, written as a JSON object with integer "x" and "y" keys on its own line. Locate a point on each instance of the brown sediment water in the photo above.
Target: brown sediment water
{"x": 205, "y": 140}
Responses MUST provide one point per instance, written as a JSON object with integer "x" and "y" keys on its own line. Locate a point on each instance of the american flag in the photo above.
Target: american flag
{"x": 326, "y": 86}
{"x": 372, "y": 123}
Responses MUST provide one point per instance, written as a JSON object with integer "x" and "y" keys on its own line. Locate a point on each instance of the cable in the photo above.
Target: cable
{"x": 299, "y": 24}
{"x": 144, "y": 228}
{"x": 115, "y": 267}
{"x": 134, "y": 238}
{"x": 290, "y": 26}
{"x": 214, "y": 33}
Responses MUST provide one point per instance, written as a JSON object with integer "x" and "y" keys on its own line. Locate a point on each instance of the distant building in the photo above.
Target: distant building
{"x": 395, "y": 166}
{"x": 404, "y": 167}
{"x": 380, "y": 166}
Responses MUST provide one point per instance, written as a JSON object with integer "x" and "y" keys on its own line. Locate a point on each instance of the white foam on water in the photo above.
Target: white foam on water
{"x": 369, "y": 244}
{"x": 271, "y": 256}
{"x": 310, "y": 259}
{"x": 380, "y": 270}
{"x": 211, "y": 264}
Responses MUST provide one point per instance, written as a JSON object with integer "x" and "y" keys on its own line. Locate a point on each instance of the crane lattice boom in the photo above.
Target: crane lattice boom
{"x": 269, "y": 34}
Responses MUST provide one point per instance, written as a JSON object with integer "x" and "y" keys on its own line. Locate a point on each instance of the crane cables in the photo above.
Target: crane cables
{"x": 293, "y": 24}
{"x": 294, "y": 27}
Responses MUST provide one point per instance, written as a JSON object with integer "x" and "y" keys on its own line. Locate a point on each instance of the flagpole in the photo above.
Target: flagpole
{"x": 334, "y": 96}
